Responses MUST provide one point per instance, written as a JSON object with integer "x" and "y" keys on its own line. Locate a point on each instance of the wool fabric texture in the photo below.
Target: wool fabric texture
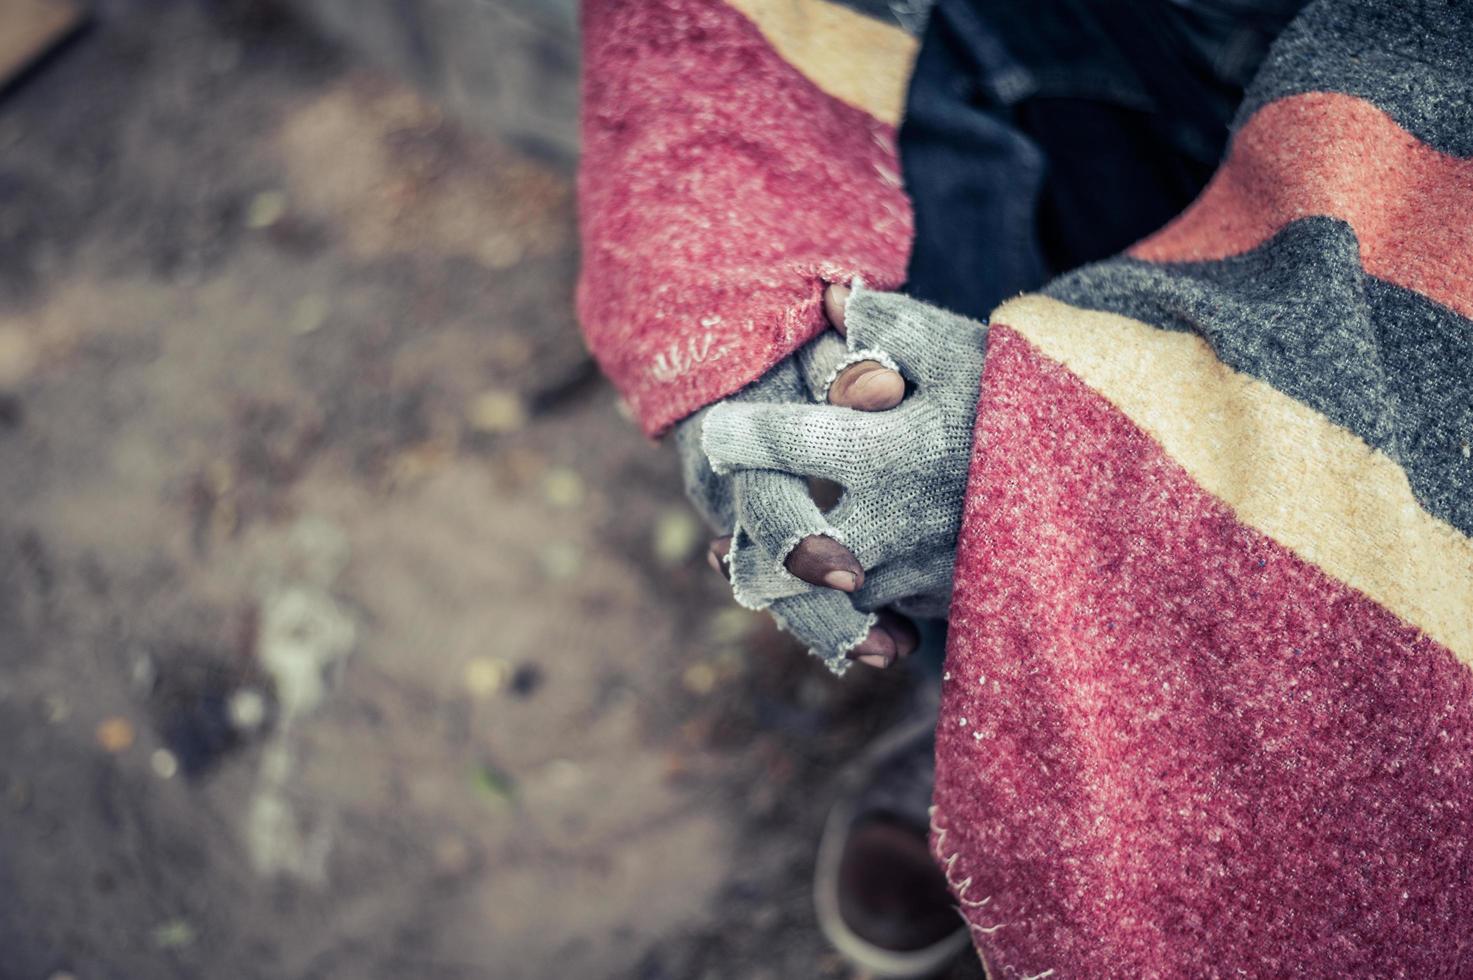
{"x": 1208, "y": 709}
{"x": 721, "y": 185}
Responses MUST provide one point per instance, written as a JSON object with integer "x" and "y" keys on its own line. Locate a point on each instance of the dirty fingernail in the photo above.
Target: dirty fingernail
{"x": 818, "y": 558}
{"x": 834, "y": 299}
{"x": 902, "y": 633}
{"x": 841, "y": 580}
{"x": 877, "y": 649}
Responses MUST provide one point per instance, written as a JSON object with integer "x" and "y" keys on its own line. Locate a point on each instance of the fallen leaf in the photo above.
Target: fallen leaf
{"x": 492, "y": 784}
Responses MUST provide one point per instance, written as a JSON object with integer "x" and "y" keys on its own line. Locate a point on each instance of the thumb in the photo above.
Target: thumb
{"x": 835, "y": 299}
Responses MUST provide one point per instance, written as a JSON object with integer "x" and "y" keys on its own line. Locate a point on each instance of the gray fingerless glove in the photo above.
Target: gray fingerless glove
{"x": 904, "y": 472}
{"x": 768, "y": 512}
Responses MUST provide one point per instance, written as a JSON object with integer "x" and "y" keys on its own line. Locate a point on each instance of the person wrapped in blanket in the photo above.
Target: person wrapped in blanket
{"x": 1197, "y": 506}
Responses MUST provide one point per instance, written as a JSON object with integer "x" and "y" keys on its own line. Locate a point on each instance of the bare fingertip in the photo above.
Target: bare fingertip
{"x": 877, "y": 649}
{"x": 867, "y": 386}
{"x": 716, "y": 556}
{"x": 820, "y": 560}
{"x": 835, "y": 297}
{"x": 902, "y": 632}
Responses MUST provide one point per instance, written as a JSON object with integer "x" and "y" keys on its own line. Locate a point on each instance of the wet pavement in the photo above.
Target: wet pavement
{"x": 348, "y": 629}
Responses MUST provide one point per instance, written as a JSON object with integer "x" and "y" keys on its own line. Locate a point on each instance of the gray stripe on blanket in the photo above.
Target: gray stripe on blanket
{"x": 1413, "y": 59}
{"x": 1300, "y": 313}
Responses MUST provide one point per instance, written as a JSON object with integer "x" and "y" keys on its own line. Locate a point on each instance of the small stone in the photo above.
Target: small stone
{"x": 677, "y": 535}
{"x": 419, "y": 461}
{"x": 143, "y": 673}
{"x": 731, "y": 625}
{"x": 164, "y": 763}
{"x": 561, "y": 559}
{"x": 511, "y": 351}
{"x": 246, "y": 709}
{"x": 699, "y": 679}
{"x": 304, "y": 638}
{"x": 501, "y": 250}
{"x": 564, "y": 774}
{"x": 562, "y": 487}
{"x": 265, "y": 209}
{"x": 174, "y": 934}
{"x": 485, "y": 676}
{"x": 309, "y": 314}
{"x": 497, "y": 411}
{"x": 18, "y": 356}
{"x": 55, "y": 708}
{"x": 116, "y": 734}
{"x": 452, "y": 856}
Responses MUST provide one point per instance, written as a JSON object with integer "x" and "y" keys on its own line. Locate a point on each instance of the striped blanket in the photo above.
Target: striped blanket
{"x": 1208, "y": 708}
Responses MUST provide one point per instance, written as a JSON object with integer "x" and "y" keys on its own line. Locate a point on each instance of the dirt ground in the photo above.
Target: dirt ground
{"x": 347, "y": 627}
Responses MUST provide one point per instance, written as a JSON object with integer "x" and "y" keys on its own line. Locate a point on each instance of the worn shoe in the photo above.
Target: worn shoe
{"x": 882, "y": 900}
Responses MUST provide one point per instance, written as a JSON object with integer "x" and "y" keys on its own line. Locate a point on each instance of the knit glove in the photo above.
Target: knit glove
{"x": 903, "y": 470}
{"x": 778, "y": 508}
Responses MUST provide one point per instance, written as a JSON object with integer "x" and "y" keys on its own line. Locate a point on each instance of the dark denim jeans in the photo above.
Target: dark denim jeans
{"x": 1042, "y": 135}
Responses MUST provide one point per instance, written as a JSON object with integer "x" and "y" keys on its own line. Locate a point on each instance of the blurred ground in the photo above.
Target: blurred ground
{"x": 347, "y": 630}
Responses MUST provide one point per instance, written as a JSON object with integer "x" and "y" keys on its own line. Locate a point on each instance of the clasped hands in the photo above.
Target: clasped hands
{"x": 883, "y": 406}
